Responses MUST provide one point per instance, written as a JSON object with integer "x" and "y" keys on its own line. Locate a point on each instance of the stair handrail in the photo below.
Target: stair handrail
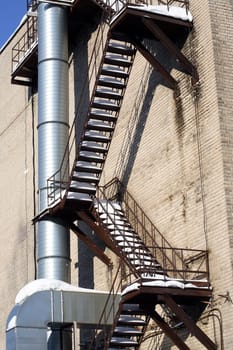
{"x": 58, "y": 183}
{"x": 179, "y": 260}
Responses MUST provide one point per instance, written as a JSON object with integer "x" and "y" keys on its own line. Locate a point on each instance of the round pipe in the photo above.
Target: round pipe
{"x": 53, "y": 132}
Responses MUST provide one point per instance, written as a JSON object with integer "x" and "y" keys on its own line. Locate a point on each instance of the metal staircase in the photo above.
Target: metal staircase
{"x": 102, "y": 116}
{"x": 157, "y": 276}
{"x": 160, "y": 275}
{"x": 136, "y": 254}
{"x": 131, "y": 323}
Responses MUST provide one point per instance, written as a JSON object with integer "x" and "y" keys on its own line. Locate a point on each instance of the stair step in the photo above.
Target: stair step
{"x": 101, "y": 126}
{"x": 82, "y": 187}
{"x": 126, "y": 244}
{"x": 115, "y": 47}
{"x": 130, "y": 320}
{"x": 137, "y": 251}
{"x": 87, "y": 167}
{"x": 96, "y": 136}
{"x": 113, "y": 217}
{"x": 110, "y": 82}
{"x": 76, "y": 196}
{"x": 127, "y": 331}
{"x": 116, "y": 222}
{"x": 117, "y": 60}
{"x": 133, "y": 309}
{"x": 107, "y": 93}
{"x": 139, "y": 262}
{"x": 129, "y": 241}
{"x": 85, "y": 177}
{"x": 142, "y": 257}
{"x": 93, "y": 147}
{"x": 105, "y": 104}
{"x": 123, "y": 341}
{"x": 114, "y": 72}
{"x": 91, "y": 157}
{"x": 102, "y": 115}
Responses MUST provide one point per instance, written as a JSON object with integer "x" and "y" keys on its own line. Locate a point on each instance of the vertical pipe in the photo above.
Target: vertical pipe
{"x": 53, "y": 131}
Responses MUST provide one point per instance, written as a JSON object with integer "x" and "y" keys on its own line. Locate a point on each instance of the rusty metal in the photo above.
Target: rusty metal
{"x": 56, "y": 184}
{"x": 160, "y": 35}
{"x": 24, "y": 48}
{"x": 90, "y": 244}
{"x": 189, "y": 323}
{"x": 173, "y": 84}
{"x": 168, "y": 331}
{"x": 185, "y": 264}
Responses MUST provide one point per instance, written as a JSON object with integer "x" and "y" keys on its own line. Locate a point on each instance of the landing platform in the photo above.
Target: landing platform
{"x": 129, "y": 21}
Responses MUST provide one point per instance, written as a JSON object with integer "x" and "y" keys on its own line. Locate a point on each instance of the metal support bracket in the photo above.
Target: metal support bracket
{"x": 173, "y": 84}
{"x": 97, "y": 251}
{"x": 163, "y": 38}
{"x": 189, "y": 323}
{"x": 168, "y": 331}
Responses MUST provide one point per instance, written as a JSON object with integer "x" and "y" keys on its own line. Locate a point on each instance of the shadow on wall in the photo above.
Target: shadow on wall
{"x": 151, "y": 79}
{"x": 85, "y": 263}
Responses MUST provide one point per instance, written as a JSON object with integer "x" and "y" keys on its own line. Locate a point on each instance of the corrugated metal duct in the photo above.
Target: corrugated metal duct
{"x": 53, "y": 131}
{"x": 27, "y": 324}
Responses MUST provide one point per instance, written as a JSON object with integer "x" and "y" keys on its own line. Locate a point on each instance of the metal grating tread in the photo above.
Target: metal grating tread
{"x": 123, "y": 341}
{"x": 100, "y": 126}
{"x": 117, "y": 60}
{"x": 105, "y": 104}
{"x": 96, "y": 136}
{"x": 85, "y": 177}
{"x": 76, "y": 186}
{"x": 103, "y": 115}
{"x": 93, "y": 147}
{"x": 108, "y": 93}
{"x": 110, "y": 82}
{"x": 130, "y": 320}
{"x": 127, "y": 331}
{"x": 115, "y": 47}
{"x": 114, "y": 72}
{"x": 91, "y": 157}
{"x": 86, "y": 166}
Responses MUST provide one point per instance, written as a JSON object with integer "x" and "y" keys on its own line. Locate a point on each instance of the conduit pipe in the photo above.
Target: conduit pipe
{"x": 53, "y": 131}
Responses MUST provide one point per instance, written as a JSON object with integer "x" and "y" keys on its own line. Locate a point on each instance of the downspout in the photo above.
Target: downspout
{"x": 53, "y": 133}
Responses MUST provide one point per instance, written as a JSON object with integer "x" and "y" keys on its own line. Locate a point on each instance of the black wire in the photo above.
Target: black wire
{"x": 34, "y": 183}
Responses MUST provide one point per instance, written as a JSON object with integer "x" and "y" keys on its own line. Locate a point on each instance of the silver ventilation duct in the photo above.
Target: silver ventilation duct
{"x": 28, "y": 322}
{"x": 53, "y": 131}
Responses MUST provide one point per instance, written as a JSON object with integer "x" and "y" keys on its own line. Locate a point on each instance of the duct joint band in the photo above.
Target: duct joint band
{"x": 54, "y": 256}
{"x": 53, "y": 122}
{"x": 53, "y": 59}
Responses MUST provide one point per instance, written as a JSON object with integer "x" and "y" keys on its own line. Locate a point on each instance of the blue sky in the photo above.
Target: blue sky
{"x": 10, "y": 15}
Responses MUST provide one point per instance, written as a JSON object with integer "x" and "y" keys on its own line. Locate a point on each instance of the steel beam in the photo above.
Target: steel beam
{"x": 96, "y": 250}
{"x": 168, "y": 331}
{"x": 164, "y": 39}
{"x": 173, "y": 84}
{"x": 189, "y": 323}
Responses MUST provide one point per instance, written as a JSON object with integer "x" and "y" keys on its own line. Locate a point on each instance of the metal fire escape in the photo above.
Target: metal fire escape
{"x": 158, "y": 275}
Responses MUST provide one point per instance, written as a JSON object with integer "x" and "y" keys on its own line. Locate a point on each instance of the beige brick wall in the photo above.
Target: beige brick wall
{"x": 16, "y": 187}
{"x": 178, "y": 163}
{"x": 175, "y": 156}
